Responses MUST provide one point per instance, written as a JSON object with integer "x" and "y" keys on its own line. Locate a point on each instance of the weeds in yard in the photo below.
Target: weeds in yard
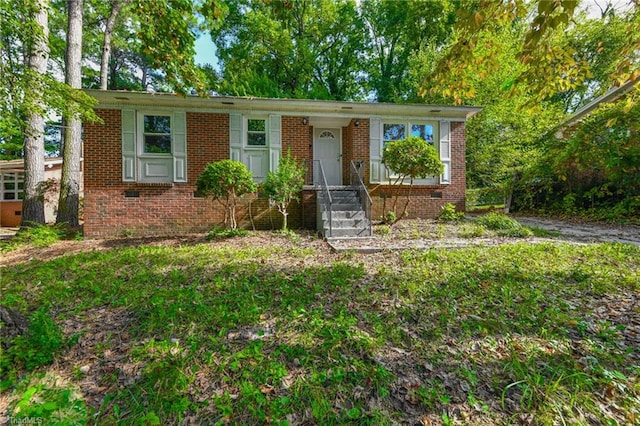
{"x": 260, "y": 335}
{"x": 43, "y": 342}
{"x": 36, "y": 235}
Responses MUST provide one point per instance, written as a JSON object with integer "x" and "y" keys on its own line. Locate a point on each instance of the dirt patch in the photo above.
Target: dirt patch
{"x": 586, "y": 232}
{"x": 425, "y": 234}
{"x": 405, "y": 234}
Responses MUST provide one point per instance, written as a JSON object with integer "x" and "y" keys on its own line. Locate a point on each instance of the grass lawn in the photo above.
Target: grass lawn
{"x": 280, "y": 330}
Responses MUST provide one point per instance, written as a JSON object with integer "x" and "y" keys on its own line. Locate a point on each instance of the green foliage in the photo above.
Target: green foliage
{"x": 399, "y": 30}
{"x": 412, "y": 158}
{"x": 471, "y": 230}
{"x": 284, "y": 185}
{"x": 594, "y": 172}
{"x": 38, "y": 347}
{"x": 290, "y": 49}
{"x": 37, "y": 235}
{"x": 390, "y": 217}
{"x": 449, "y": 214}
{"x": 498, "y": 221}
{"x": 264, "y": 334}
{"x": 504, "y": 225}
{"x": 225, "y": 181}
{"x": 221, "y": 233}
{"x": 43, "y": 397}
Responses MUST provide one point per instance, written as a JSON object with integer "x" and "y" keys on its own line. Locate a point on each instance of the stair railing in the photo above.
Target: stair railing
{"x": 363, "y": 195}
{"x": 326, "y": 194}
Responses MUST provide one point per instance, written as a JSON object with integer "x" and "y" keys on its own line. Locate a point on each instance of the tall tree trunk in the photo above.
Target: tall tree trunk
{"x": 106, "y": 45}
{"x": 69, "y": 200}
{"x": 37, "y": 58}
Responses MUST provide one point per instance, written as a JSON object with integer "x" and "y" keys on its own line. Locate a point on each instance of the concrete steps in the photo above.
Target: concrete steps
{"x": 348, "y": 220}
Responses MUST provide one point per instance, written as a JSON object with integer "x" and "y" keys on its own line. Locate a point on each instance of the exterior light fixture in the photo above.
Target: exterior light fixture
{"x": 356, "y": 123}
{"x": 305, "y": 120}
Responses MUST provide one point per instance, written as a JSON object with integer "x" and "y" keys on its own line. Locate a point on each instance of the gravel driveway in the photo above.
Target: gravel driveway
{"x": 424, "y": 234}
{"x": 586, "y": 232}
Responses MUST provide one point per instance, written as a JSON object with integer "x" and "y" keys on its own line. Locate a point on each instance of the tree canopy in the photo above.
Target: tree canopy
{"x": 527, "y": 63}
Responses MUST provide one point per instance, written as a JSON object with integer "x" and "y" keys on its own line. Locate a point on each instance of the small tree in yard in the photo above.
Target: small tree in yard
{"x": 285, "y": 185}
{"x": 412, "y": 158}
{"x": 225, "y": 181}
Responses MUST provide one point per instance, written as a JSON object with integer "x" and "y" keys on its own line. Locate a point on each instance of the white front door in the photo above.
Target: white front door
{"x": 327, "y": 148}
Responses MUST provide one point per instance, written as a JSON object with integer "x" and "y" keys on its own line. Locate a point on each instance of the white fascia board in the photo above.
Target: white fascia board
{"x": 294, "y": 107}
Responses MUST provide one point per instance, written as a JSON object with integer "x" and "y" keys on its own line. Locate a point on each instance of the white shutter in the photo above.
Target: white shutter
{"x": 235, "y": 136}
{"x": 128, "y": 145}
{"x": 179, "y": 133}
{"x": 445, "y": 151}
{"x": 275, "y": 141}
{"x": 376, "y": 168}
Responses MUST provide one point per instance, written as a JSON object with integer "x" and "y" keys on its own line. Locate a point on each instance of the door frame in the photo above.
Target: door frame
{"x": 316, "y": 136}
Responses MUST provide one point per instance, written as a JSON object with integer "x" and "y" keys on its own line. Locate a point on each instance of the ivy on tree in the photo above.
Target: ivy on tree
{"x": 226, "y": 181}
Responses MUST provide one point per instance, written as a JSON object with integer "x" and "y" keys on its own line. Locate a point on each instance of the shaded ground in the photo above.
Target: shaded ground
{"x": 101, "y": 363}
{"x": 403, "y": 235}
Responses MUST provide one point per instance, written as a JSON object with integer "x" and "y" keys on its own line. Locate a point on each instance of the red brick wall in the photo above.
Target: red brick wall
{"x": 298, "y": 137}
{"x": 173, "y": 208}
{"x": 424, "y": 201}
{"x": 158, "y": 208}
{"x": 207, "y": 141}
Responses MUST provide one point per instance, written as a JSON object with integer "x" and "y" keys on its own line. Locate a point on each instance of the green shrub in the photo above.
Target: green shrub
{"x": 412, "y": 158}
{"x": 497, "y": 221}
{"x": 471, "y": 230}
{"x": 504, "y": 225}
{"x": 225, "y": 181}
{"x": 449, "y": 214}
{"x": 285, "y": 185}
{"x": 390, "y": 217}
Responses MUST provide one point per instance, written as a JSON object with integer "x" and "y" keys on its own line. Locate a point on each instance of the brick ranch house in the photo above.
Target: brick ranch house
{"x": 141, "y": 163}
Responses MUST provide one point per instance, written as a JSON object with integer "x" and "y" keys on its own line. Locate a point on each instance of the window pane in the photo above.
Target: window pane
{"x": 256, "y": 125}
{"x": 256, "y": 139}
{"x": 9, "y": 186}
{"x": 21, "y": 195}
{"x": 393, "y": 132}
{"x": 21, "y": 185}
{"x": 424, "y": 131}
{"x": 157, "y": 124}
{"x": 9, "y": 195}
{"x": 157, "y": 144}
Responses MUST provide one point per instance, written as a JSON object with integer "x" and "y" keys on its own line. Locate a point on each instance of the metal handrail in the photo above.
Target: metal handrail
{"x": 326, "y": 193}
{"x": 363, "y": 195}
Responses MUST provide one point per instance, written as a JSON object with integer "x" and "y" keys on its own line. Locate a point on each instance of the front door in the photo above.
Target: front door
{"x": 327, "y": 148}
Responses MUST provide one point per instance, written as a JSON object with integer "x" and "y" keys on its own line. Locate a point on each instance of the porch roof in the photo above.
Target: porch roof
{"x": 294, "y": 107}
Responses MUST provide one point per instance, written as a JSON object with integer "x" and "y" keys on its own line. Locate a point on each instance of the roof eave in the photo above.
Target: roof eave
{"x": 115, "y": 99}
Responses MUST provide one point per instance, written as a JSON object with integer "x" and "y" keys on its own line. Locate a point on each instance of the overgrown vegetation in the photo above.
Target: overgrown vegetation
{"x": 285, "y": 333}
{"x": 594, "y": 173}
{"x": 449, "y": 214}
{"x": 43, "y": 341}
{"x": 37, "y": 235}
{"x": 504, "y": 225}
